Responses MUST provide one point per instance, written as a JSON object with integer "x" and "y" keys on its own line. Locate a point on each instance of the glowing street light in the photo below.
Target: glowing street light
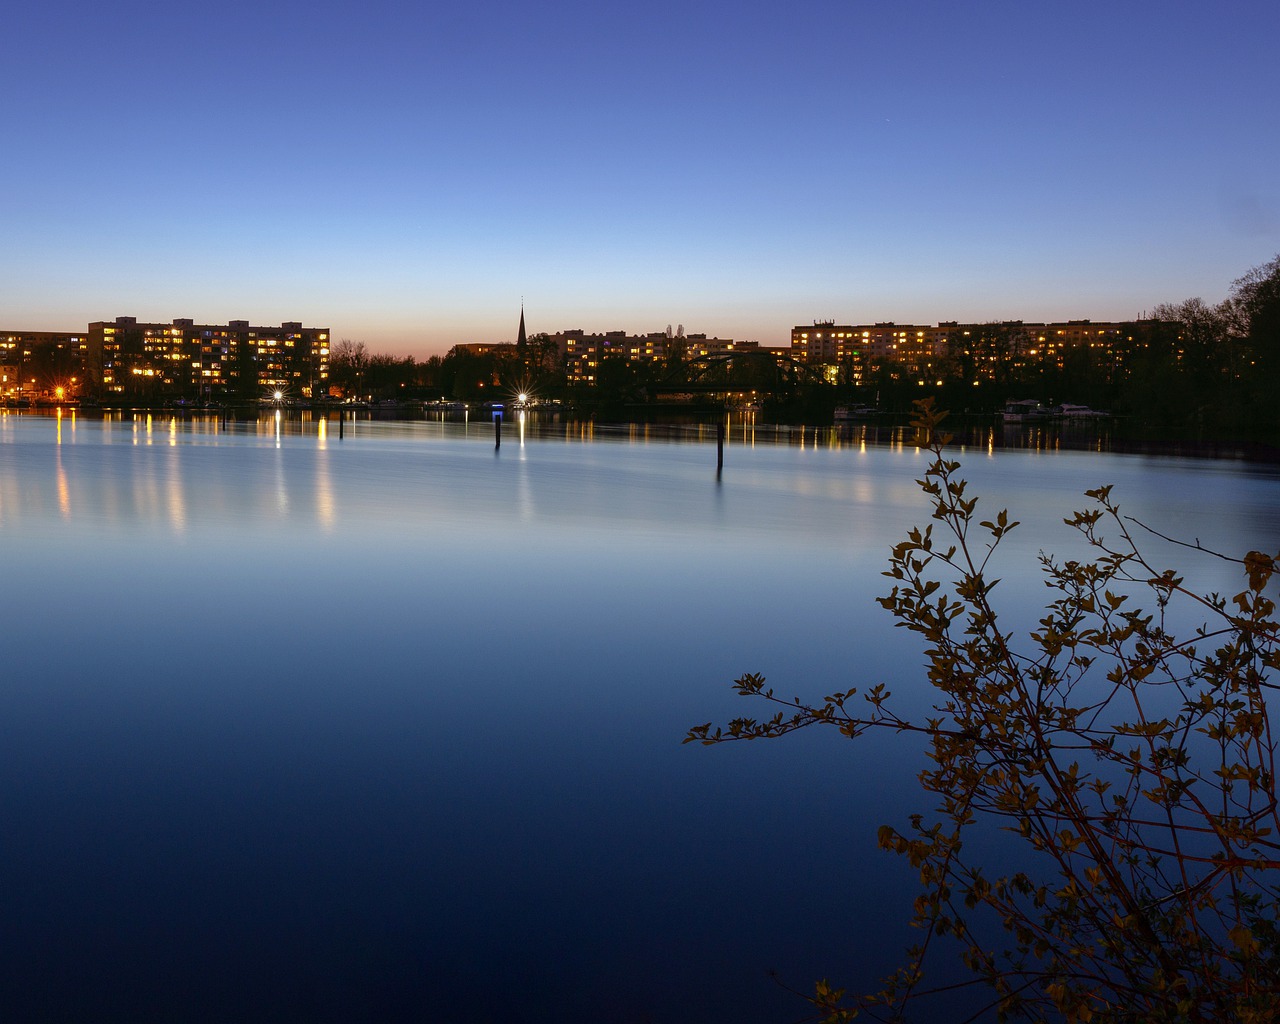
{"x": 522, "y": 393}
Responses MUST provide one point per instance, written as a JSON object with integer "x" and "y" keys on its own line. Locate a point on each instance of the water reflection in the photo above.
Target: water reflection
{"x": 325, "y": 506}
{"x": 64, "y": 494}
{"x": 177, "y": 506}
{"x": 743, "y": 427}
{"x": 391, "y": 720}
{"x": 308, "y": 436}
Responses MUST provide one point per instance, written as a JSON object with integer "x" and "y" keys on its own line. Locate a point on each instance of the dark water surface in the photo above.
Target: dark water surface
{"x": 388, "y": 728}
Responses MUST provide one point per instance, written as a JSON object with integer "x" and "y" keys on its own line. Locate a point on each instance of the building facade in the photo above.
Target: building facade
{"x": 583, "y": 353}
{"x": 206, "y": 362}
{"x": 951, "y": 349}
{"x": 41, "y": 365}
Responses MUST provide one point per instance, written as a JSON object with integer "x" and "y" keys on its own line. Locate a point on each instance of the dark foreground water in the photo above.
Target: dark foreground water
{"x": 388, "y": 728}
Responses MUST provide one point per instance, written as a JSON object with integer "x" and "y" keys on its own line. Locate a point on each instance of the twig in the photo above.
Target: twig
{"x": 1197, "y": 546}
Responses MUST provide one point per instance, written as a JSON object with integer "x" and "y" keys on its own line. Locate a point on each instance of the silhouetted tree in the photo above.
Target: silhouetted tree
{"x": 1255, "y": 303}
{"x": 348, "y": 361}
{"x": 1203, "y": 343}
{"x": 389, "y": 376}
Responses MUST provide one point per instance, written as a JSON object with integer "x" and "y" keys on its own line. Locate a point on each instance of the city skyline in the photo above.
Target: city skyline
{"x": 409, "y": 177}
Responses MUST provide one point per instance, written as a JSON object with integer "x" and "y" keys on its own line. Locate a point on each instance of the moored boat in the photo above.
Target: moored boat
{"x": 849, "y": 413}
{"x": 1024, "y": 411}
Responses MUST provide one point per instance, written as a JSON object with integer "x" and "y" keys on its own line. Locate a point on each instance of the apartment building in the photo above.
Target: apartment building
{"x": 584, "y": 352}
{"x": 41, "y": 365}
{"x": 927, "y": 352}
{"x": 207, "y": 361}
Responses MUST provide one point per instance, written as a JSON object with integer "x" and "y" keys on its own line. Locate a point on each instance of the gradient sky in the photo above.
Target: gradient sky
{"x": 406, "y": 173}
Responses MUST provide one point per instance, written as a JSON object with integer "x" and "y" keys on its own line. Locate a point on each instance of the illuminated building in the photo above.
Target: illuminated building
{"x": 950, "y": 349}
{"x": 584, "y": 352}
{"x": 207, "y": 361}
{"x": 35, "y": 364}
{"x": 481, "y": 348}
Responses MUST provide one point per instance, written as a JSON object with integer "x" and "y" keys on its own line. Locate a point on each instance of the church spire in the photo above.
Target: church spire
{"x": 520, "y": 338}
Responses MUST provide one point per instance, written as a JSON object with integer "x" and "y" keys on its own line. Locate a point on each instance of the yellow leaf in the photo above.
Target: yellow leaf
{"x": 1244, "y": 939}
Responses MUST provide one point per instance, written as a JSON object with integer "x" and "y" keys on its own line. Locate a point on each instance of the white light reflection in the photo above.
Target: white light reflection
{"x": 282, "y": 488}
{"x": 524, "y": 492}
{"x": 177, "y": 502}
{"x": 324, "y": 493}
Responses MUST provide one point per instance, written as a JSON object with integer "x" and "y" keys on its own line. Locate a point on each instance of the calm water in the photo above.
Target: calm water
{"x": 388, "y": 728}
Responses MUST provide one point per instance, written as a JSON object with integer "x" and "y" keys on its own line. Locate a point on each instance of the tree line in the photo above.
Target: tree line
{"x": 460, "y": 375}
{"x": 1192, "y": 369}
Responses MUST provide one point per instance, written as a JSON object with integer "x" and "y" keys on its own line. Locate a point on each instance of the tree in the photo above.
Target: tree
{"x": 676, "y": 357}
{"x": 543, "y": 363}
{"x": 991, "y": 351}
{"x": 1212, "y": 368}
{"x": 1134, "y": 771}
{"x": 617, "y": 381}
{"x": 1181, "y": 375}
{"x": 1203, "y": 345}
{"x": 348, "y": 362}
{"x": 1256, "y": 298}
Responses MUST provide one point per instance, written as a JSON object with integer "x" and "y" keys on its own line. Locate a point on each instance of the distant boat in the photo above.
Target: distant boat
{"x": 849, "y": 413}
{"x": 1067, "y": 411}
{"x": 1024, "y": 411}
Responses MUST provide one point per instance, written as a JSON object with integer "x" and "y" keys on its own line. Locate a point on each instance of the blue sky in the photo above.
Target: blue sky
{"x": 405, "y": 174}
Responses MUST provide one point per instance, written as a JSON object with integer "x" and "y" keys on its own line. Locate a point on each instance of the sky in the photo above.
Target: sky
{"x": 407, "y": 174}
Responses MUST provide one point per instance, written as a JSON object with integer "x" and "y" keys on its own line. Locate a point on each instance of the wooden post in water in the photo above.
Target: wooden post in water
{"x": 341, "y": 416}
{"x": 719, "y": 448}
{"x": 497, "y": 431}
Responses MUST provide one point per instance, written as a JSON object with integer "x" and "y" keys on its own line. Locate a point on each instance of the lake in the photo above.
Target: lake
{"x": 387, "y": 727}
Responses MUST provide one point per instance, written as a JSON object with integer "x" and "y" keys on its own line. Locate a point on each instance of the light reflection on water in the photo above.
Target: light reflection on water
{"x": 388, "y": 728}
